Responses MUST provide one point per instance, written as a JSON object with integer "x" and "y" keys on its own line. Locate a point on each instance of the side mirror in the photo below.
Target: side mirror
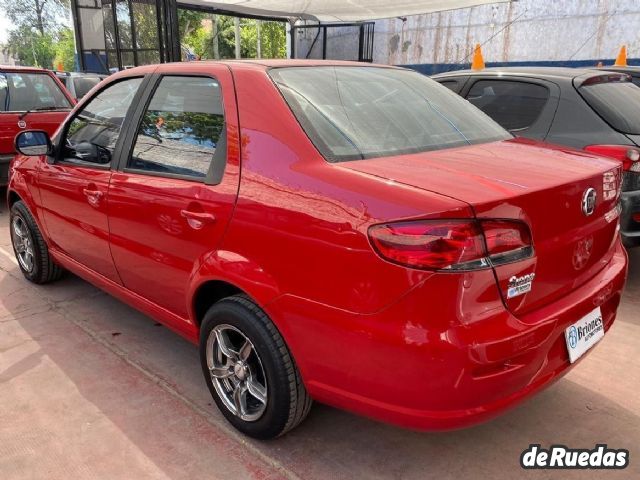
{"x": 33, "y": 143}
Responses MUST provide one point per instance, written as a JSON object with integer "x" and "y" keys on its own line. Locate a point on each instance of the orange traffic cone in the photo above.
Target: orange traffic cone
{"x": 478, "y": 62}
{"x": 621, "y": 59}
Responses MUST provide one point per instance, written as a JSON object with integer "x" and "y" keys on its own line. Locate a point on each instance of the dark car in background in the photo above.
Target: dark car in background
{"x": 30, "y": 98}
{"x": 79, "y": 84}
{"x": 593, "y": 110}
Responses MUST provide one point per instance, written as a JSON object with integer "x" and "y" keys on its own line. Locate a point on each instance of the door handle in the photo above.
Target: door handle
{"x": 197, "y": 220}
{"x": 93, "y": 195}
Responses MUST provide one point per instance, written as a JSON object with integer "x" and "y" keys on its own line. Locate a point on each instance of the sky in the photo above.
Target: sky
{"x": 6, "y": 25}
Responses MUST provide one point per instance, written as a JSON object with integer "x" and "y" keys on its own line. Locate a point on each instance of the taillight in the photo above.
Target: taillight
{"x": 628, "y": 155}
{"x": 452, "y": 244}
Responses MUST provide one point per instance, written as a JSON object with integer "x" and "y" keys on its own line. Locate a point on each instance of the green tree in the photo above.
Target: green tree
{"x": 31, "y": 47}
{"x": 198, "y": 36}
{"x": 41, "y": 15}
{"x": 65, "y": 49}
{"x": 36, "y": 30}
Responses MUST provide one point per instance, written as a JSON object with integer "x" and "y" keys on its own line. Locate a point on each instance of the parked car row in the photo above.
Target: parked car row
{"x": 356, "y": 235}
{"x": 79, "y": 84}
{"x": 35, "y": 98}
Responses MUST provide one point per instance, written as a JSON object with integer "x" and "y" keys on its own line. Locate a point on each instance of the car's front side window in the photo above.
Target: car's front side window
{"x": 180, "y": 129}
{"x": 93, "y": 132}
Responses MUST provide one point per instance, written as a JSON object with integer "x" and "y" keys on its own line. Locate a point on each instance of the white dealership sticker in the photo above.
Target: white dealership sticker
{"x": 520, "y": 285}
{"x": 584, "y": 334}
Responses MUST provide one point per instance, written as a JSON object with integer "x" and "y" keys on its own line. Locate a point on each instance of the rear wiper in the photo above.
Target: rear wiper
{"x": 39, "y": 109}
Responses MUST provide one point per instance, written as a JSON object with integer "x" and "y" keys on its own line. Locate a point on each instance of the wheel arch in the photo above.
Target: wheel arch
{"x": 224, "y": 273}
{"x": 208, "y": 293}
{"x": 12, "y": 198}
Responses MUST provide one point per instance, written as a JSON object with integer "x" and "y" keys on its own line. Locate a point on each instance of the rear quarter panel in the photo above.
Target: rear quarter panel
{"x": 303, "y": 221}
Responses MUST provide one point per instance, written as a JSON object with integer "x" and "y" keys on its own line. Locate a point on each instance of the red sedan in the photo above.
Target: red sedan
{"x": 357, "y": 235}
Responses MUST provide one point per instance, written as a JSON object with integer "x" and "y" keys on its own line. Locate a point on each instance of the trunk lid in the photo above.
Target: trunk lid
{"x": 540, "y": 184}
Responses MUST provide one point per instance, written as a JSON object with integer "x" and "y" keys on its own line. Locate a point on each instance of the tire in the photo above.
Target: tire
{"x": 269, "y": 368}
{"x": 42, "y": 268}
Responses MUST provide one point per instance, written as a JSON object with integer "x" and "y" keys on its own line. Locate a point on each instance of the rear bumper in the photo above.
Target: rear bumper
{"x": 437, "y": 360}
{"x": 629, "y": 228}
{"x": 5, "y": 160}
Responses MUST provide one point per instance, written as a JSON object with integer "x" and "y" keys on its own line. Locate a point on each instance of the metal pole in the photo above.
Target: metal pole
{"x": 214, "y": 31}
{"x": 259, "y": 49}
{"x": 237, "y": 25}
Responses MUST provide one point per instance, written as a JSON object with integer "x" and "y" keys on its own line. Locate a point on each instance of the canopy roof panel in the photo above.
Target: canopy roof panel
{"x": 336, "y": 10}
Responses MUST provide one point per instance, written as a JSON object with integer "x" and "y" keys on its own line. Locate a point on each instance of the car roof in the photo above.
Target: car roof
{"x": 18, "y": 68}
{"x": 274, "y": 63}
{"x": 251, "y": 64}
{"x": 615, "y": 68}
{"x": 80, "y": 74}
{"x": 564, "y": 73}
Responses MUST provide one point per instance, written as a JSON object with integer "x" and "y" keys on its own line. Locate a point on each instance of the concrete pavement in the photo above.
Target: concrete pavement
{"x": 90, "y": 388}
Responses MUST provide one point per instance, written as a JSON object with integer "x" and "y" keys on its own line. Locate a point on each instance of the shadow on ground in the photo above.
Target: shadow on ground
{"x": 147, "y": 382}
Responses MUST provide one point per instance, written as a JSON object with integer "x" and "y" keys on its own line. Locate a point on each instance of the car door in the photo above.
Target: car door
{"x": 173, "y": 196}
{"x": 74, "y": 186}
{"x": 524, "y": 106}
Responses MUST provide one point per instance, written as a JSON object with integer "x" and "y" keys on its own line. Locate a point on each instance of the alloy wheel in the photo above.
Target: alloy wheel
{"x": 237, "y": 372}
{"x": 22, "y": 243}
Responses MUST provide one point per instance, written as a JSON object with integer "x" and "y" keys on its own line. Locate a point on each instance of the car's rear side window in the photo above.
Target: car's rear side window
{"x": 181, "y": 128}
{"x": 515, "y": 105}
{"x": 20, "y": 92}
{"x": 618, "y": 103}
{"x": 450, "y": 84}
{"x": 352, "y": 113}
{"x": 82, "y": 85}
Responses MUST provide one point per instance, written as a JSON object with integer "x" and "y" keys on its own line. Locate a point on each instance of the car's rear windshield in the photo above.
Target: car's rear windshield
{"x": 84, "y": 84}
{"x": 352, "y": 113}
{"x": 21, "y": 91}
{"x": 618, "y": 103}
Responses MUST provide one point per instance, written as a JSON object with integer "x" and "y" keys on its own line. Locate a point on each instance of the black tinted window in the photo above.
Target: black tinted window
{"x": 30, "y": 91}
{"x": 181, "y": 128}
{"x": 94, "y": 131}
{"x": 617, "y": 102}
{"x": 450, "y": 84}
{"x": 82, "y": 85}
{"x": 352, "y": 113}
{"x": 514, "y": 105}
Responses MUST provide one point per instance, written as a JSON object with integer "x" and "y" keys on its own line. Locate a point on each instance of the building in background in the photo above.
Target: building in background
{"x": 6, "y": 58}
{"x": 559, "y": 32}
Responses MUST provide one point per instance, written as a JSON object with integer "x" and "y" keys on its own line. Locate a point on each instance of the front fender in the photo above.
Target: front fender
{"x": 23, "y": 183}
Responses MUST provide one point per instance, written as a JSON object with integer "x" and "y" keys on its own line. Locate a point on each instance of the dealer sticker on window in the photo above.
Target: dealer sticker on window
{"x": 584, "y": 334}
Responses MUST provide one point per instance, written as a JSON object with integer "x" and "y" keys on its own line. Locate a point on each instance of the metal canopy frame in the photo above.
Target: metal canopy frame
{"x": 365, "y": 39}
{"x": 168, "y": 46}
